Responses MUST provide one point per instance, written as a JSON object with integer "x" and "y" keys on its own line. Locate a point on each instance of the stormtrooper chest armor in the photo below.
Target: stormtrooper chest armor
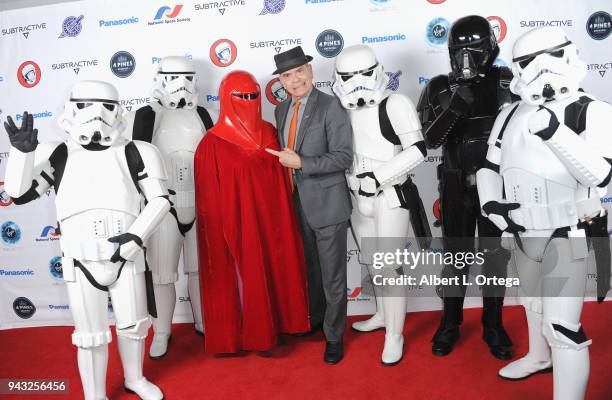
{"x": 96, "y": 199}
{"x": 96, "y": 180}
{"x": 368, "y": 140}
{"x": 177, "y": 135}
{"x": 535, "y": 178}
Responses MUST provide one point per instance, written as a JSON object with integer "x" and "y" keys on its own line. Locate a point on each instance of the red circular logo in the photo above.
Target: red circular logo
{"x": 223, "y": 53}
{"x": 499, "y": 27}
{"x": 28, "y": 74}
{"x": 5, "y": 199}
{"x": 436, "y": 1}
{"x": 436, "y": 210}
{"x": 275, "y": 92}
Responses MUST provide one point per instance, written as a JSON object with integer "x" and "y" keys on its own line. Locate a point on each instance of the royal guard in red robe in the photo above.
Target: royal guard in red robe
{"x": 251, "y": 257}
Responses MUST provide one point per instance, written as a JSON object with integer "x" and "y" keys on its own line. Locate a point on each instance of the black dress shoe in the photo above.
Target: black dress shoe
{"x": 499, "y": 343}
{"x": 444, "y": 340}
{"x": 334, "y": 351}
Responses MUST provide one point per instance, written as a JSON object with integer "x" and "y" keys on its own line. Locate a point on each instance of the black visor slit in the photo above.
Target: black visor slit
{"x": 537, "y": 53}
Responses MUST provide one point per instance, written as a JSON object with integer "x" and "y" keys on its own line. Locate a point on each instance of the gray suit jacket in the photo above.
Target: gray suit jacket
{"x": 325, "y": 145}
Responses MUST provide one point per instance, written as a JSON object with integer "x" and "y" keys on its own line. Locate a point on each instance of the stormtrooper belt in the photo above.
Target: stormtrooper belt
{"x": 553, "y": 216}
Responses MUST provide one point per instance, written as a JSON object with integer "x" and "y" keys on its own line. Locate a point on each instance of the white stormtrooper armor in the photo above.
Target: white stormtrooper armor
{"x": 550, "y": 154}
{"x": 386, "y": 149}
{"x": 97, "y": 176}
{"x": 175, "y": 124}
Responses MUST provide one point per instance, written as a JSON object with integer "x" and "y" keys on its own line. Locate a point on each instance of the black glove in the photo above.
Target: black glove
{"x": 462, "y": 100}
{"x": 24, "y": 139}
{"x": 502, "y": 210}
{"x": 367, "y": 175}
{"x": 123, "y": 239}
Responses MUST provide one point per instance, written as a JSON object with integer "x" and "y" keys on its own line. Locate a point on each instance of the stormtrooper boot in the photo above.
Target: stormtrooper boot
{"x": 571, "y": 373}
{"x": 132, "y": 355}
{"x": 165, "y": 299}
{"x": 92, "y": 368}
{"x": 376, "y": 321}
{"x": 537, "y": 359}
{"x": 395, "y": 314}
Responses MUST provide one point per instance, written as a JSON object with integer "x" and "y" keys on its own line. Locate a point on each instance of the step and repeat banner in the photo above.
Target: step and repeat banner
{"x": 45, "y": 50}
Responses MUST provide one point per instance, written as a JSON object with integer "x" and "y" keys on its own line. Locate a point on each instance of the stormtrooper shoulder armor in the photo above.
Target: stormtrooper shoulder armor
{"x": 402, "y": 114}
{"x": 590, "y": 116}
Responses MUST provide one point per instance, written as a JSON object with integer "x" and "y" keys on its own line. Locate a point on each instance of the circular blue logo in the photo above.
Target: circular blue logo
{"x": 122, "y": 64}
{"x": 11, "y": 233}
{"x": 329, "y": 43}
{"x": 273, "y": 7}
{"x": 23, "y": 307}
{"x": 72, "y": 26}
{"x": 599, "y": 25}
{"x": 437, "y": 31}
{"x": 55, "y": 268}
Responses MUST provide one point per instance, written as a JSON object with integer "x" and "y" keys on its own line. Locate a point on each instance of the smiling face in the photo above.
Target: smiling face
{"x": 297, "y": 81}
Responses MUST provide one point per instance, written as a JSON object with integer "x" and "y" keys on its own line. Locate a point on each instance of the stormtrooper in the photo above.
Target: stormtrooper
{"x": 175, "y": 124}
{"x": 387, "y": 145}
{"x": 97, "y": 175}
{"x": 457, "y": 113}
{"x": 548, "y": 163}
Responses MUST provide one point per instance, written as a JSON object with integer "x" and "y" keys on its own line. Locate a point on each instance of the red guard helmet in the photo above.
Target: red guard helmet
{"x": 240, "y": 98}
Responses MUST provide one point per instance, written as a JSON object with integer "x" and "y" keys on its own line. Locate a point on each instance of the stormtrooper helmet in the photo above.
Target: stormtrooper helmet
{"x": 92, "y": 116}
{"x": 175, "y": 83}
{"x": 359, "y": 79}
{"x": 546, "y": 66}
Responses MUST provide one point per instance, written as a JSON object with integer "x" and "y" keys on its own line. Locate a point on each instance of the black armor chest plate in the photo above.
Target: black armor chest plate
{"x": 466, "y": 147}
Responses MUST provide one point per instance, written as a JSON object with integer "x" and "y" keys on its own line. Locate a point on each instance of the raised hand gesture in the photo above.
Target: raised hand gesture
{"x": 24, "y": 139}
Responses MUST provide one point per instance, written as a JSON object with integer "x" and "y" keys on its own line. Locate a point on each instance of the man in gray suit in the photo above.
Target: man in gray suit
{"x": 315, "y": 134}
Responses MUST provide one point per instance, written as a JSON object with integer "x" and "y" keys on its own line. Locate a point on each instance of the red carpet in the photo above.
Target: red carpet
{"x": 296, "y": 370}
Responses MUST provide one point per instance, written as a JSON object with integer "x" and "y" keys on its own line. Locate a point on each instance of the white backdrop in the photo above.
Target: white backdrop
{"x": 62, "y": 43}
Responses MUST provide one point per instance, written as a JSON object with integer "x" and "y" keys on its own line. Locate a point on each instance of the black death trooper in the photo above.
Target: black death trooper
{"x": 175, "y": 124}
{"x": 457, "y": 112}
{"x": 98, "y": 177}
{"x": 388, "y": 144}
{"x": 548, "y": 163}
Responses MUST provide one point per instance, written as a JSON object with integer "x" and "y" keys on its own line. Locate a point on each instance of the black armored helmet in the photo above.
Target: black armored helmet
{"x": 472, "y": 47}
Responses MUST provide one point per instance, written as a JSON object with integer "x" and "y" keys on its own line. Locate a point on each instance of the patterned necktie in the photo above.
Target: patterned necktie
{"x": 291, "y": 138}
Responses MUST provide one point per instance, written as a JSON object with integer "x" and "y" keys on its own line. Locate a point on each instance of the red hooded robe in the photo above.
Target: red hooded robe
{"x": 252, "y": 269}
